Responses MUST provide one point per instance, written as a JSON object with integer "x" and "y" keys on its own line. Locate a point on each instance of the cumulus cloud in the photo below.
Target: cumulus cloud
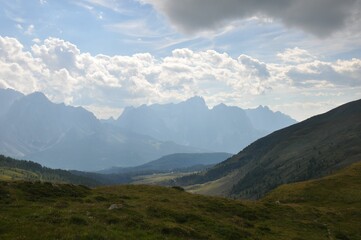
{"x": 64, "y": 73}
{"x": 319, "y": 17}
{"x": 56, "y": 53}
{"x": 259, "y": 68}
{"x": 326, "y": 73}
{"x": 106, "y": 84}
{"x": 296, "y": 55}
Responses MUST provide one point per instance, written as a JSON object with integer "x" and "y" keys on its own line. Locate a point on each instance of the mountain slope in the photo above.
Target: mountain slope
{"x": 7, "y": 98}
{"x": 333, "y": 191}
{"x": 310, "y": 149}
{"x": 192, "y": 123}
{"x": 33, "y": 124}
{"x": 34, "y": 210}
{"x": 11, "y": 169}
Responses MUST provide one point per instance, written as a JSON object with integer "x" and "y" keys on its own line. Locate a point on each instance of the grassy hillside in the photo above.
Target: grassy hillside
{"x": 35, "y": 210}
{"x": 11, "y": 169}
{"x": 337, "y": 198}
{"x": 335, "y": 190}
{"x": 307, "y": 150}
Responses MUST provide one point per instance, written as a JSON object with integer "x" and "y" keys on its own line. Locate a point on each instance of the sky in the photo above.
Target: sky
{"x": 300, "y": 57}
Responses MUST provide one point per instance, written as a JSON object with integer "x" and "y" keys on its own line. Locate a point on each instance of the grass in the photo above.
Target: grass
{"x": 328, "y": 208}
{"x": 7, "y": 173}
{"x": 157, "y": 178}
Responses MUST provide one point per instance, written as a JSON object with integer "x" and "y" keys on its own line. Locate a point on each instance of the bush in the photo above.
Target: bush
{"x": 78, "y": 220}
{"x": 178, "y": 188}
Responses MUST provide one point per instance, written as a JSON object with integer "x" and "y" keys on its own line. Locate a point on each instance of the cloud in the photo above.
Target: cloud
{"x": 296, "y": 55}
{"x": 319, "y": 17}
{"x": 133, "y": 28}
{"x": 56, "y": 53}
{"x": 326, "y": 73}
{"x": 259, "y": 68}
{"x": 106, "y": 84}
{"x": 113, "y": 5}
{"x": 30, "y": 30}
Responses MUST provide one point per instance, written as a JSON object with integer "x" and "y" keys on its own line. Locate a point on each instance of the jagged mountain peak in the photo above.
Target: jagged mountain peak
{"x": 261, "y": 107}
{"x": 191, "y": 122}
{"x": 196, "y": 101}
{"x": 37, "y": 96}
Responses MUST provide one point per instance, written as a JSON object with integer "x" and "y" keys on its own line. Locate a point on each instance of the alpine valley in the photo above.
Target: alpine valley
{"x": 305, "y": 177}
{"x": 180, "y": 120}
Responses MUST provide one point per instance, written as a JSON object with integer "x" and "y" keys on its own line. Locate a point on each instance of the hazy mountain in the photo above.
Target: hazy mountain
{"x": 7, "y": 98}
{"x": 192, "y": 123}
{"x": 33, "y": 124}
{"x": 61, "y": 136}
{"x": 262, "y": 118}
{"x": 310, "y": 149}
{"x": 103, "y": 149}
{"x": 175, "y": 162}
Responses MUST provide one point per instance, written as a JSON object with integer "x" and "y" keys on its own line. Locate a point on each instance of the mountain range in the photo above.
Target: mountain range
{"x": 61, "y": 136}
{"x": 191, "y": 123}
{"x": 310, "y": 149}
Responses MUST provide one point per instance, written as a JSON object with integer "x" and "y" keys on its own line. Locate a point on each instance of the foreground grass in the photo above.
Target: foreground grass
{"x": 35, "y": 210}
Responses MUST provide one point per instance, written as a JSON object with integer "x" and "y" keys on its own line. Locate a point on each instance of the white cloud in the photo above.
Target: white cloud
{"x": 18, "y": 26}
{"x": 56, "y": 53}
{"x": 30, "y": 30}
{"x": 65, "y": 74}
{"x": 113, "y": 5}
{"x": 350, "y": 67}
{"x": 133, "y": 28}
{"x": 297, "y": 108}
{"x": 296, "y": 55}
{"x": 36, "y": 40}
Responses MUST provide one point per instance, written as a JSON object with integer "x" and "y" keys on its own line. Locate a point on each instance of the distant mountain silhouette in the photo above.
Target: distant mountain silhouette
{"x": 174, "y": 162}
{"x": 310, "y": 149}
{"x": 34, "y": 124}
{"x": 61, "y": 136}
{"x": 192, "y": 123}
{"x": 264, "y": 119}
